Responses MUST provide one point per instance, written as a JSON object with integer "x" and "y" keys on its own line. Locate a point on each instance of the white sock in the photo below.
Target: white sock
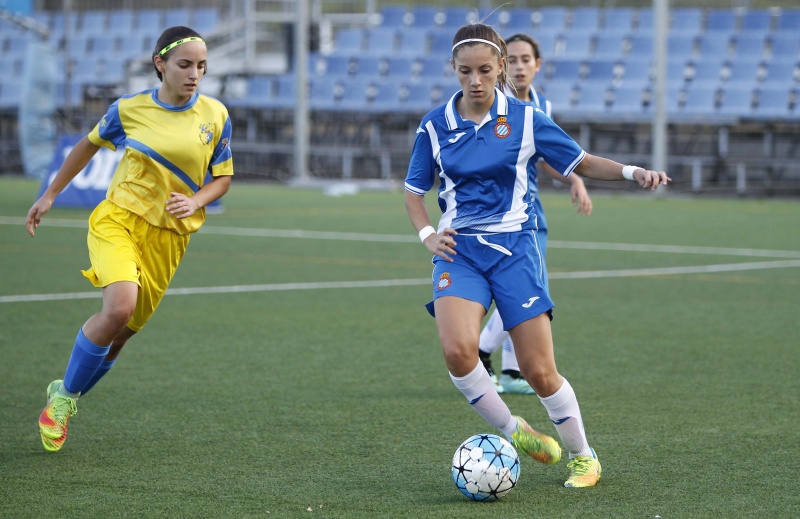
{"x": 492, "y": 335}
{"x": 509, "y": 356}
{"x": 477, "y": 387}
{"x": 562, "y": 407}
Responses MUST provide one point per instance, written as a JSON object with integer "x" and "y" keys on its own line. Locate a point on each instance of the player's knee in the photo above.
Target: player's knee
{"x": 544, "y": 381}
{"x": 119, "y": 314}
{"x": 460, "y": 357}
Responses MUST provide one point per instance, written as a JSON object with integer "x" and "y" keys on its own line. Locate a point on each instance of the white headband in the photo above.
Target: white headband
{"x": 478, "y": 40}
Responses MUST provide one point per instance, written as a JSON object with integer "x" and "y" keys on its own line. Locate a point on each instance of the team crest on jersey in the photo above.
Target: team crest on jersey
{"x": 502, "y": 129}
{"x": 206, "y": 133}
{"x": 444, "y": 281}
{"x": 103, "y": 122}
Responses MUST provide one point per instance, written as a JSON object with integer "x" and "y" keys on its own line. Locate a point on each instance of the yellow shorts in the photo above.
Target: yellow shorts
{"x": 124, "y": 247}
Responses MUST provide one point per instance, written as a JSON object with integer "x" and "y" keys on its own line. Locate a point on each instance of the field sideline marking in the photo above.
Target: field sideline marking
{"x": 410, "y": 238}
{"x": 731, "y": 267}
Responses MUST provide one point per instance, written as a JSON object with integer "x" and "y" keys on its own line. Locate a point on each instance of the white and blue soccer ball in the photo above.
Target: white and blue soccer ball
{"x": 485, "y": 467}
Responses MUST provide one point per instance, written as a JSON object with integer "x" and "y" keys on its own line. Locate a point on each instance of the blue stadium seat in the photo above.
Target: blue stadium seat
{"x": 455, "y": 17}
{"x": 120, "y": 22}
{"x": 444, "y": 90}
{"x": 111, "y": 72}
{"x": 602, "y": 71}
{"x": 519, "y": 19}
{"x": 205, "y": 20}
{"x": 322, "y": 94}
{"x": 284, "y": 93}
{"x": 756, "y": 20}
{"x": 387, "y": 96}
{"x": 563, "y": 70}
{"x": 433, "y": 67}
{"x": 93, "y": 23}
{"x": 177, "y": 16}
{"x": 618, "y": 20}
{"x": 585, "y": 19}
{"x": 77, "y": 45}
{"x": 441, "y": 44}
{"x": 7, "y": 67}
{"x": 773, "y": 103}
{"x": 742, "y": 73}
{"x": 788, "y": 22}
{"x": 337, "y": 66}
{"x": 84, "y": 70}
{"x": 103, "y": 46}
{"x": 394, "y": 16}
{"x": 10, "y": 94}
{"x": 413, "y": 42}
{"x": 399, "y": 67}
{"x": 134, "y": 46}
{"x": 608, "y": 45}
{"x": 687, "y": 20}
{"x": 349, "y": 42}
{"x": 721, "y": 20}
{"x": 637, "y": 72}
{"x": 560, "y": 93}
{"x": 258, "y": 91}
{"x": 737, "y": 101}
{"x": 425, "y": 17}
{"x": 490, "y": 17}
{"x": 714, "y": 45}
{"x": 681, "y": 43}
{"x": 627, "y": 100}
{"x": 573, "y": 45}
{"x": 641, "y": 47}
{"x": 547, "y": 44}
{"x": 592, "y": 98}
{"x": 707, "y": 72}
{"x": 354, "y": 96}
{"x": 701, "y": 101}
{"x": 381, "y": 41}
{"x": 551, "y": 19}
{"x": 644, "y": 21}
{"x": 749, "y": 45}
{"x": 416, "y": 97}
{"x": 368, "y": 67}
{"x": 780, "y": 73}
{"x": 785, "y": 47}
{"x": 149, "y": 22}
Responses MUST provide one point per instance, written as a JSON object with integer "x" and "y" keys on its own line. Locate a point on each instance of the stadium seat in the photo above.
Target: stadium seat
{"x": 585, "y": 19}
{"x": 560, "y": 93}
{"x": 687, "y": 20}
{"x": 714, "y": 45}
{"x": 416, "y": 97}
{"x": 381, "y": 41}
{"x": 742, "y": 72}
{"x": 563, "y": 70}
{"x": 627, "y": 99}
{"x": 519, "y": 19}
{"x": 737, "y": 101}
{"x": 93, "y": 23}
{"x": 120, "y": 22}
{"x": 546, "y": 42}
{"x": 260, "y": 90}
{"x": 413, "y": 42}
{"x": 756, "y": 20}
{"x": 103, "y": 46}
{"x": 749, "y": 45}
{"x": 205, "y": 20}
{"x": 337, "y": 66}
{"x": 399, "y": 67}
{"x": 322, "y": 94}
{"x": 77, "y": 46}
{"x": 148, "y": 22}
{"x": 349, "y": 42}
{"x": 573, "y": 45}
{"x": 425, "y": 17}
{"x": 780, "y": 73}
{"x": 618, "y": 20}
{"x": 720, "y": 21}
{"x": 550, "y": 19}
{"x": 785, "y": 47}
{"x": 441, "y": 44}
{"x": 701, "y": 101}
{"x": 394, "y": 16}
{"x": 387, "y": 96}
{"x": 432, "y": 67}
{"x": 592, "y": 98}
{"x": 368, "y": 68}
{"x": 681, "y": 43}
{"x": 444, "y": 90}
{"x": 788, "y": 22}
{"x": 10, "y": 94}
{"x": 706, "y": 72}
{"x": 637, "y": 72}
{"x": 773, "y": 103}
{"x": 455, "y": 17}
{"x": 608, "y": 45}
{"x": 177, "y": 16}
{"x": 640, "y": 47}
{"x": 285, "y": 92}
{"x": 354, "y": 96}
{"x": 644, "y": 21}
{"x": 602, "y": 71}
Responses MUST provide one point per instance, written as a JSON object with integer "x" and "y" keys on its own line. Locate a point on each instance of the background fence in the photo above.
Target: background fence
{"x": 376, "y": 67}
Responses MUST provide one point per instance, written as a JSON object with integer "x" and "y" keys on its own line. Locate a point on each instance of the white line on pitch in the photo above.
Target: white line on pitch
{"x": 596, "y": 274}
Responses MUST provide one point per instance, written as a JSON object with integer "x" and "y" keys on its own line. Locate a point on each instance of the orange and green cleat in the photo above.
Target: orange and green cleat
{"x": 585, "y": 470}
{"x": 55, "y": 417}
{"x": 538, "y": 446}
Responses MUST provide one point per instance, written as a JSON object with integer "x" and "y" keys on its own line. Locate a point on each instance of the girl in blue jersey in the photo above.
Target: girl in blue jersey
{"x": 524, "y": 62}
{"x": 138, "y": 235}
{"x": 481, "y": 144}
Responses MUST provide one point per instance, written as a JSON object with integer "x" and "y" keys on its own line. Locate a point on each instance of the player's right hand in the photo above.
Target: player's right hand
{"x": 39, "y": 209}
{"x": 442, "y": 245}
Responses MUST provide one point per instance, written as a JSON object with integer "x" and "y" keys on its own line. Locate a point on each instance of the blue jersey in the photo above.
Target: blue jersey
{"x": 487, "y": 170}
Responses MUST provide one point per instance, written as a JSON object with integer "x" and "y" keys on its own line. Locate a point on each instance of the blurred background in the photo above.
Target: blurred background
{"x": 331, "y": 92}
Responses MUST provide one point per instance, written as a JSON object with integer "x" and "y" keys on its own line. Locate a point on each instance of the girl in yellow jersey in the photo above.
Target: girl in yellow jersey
{"x": 172, "y": 137}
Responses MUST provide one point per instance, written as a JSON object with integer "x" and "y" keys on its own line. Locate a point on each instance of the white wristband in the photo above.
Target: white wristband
{"x": 425, "y": 232}
{"x": 627, "y": 172}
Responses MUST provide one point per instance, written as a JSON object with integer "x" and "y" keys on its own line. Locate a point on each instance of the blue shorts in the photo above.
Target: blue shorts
{"x": 506, "y": 267}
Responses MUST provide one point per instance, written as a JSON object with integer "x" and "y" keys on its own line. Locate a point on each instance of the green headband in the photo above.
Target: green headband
{"x": 182, "y": 40}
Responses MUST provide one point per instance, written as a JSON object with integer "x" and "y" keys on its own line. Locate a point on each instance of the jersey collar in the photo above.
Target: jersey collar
{"x": 190, "y": 103}
{"x": 454, "y": 120}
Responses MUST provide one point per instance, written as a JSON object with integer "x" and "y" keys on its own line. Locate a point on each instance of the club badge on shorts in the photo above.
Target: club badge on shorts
{"x": 502, "y": 129}
{"x": 444, "y": 281}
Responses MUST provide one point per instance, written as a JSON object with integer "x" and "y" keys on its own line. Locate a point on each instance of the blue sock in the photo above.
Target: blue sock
{"x": 100, "y": 373}
{"x": 85, "y": 359}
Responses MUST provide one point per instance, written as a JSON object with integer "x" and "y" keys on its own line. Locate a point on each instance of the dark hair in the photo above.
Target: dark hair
{"x": 483, "y": 32}
{"x": 168, "y": 37}
{"x": 527, "y": 39}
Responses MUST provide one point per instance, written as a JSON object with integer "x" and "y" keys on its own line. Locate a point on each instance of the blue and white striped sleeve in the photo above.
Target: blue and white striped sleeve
{"x": 553, "y": 144}
{"x": 422, "y": 166}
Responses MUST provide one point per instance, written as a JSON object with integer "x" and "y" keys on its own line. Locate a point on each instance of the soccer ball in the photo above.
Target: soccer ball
{"x": 485, "y": 467}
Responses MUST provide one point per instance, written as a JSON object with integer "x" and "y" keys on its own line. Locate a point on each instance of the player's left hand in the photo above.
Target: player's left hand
{"x": 650, "y": 179}
{"x": 181, "y": 205}
{"x": 581, "y": 199}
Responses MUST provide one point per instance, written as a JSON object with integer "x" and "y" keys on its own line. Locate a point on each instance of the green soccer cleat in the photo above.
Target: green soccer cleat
{"x": 515, "y": 386}
{"x": 586, "y": 471}
{"x": 538, "y": 446}
{"x": 54, "y": 420}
